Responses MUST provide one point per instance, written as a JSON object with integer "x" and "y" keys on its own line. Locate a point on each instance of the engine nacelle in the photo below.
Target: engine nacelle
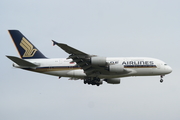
{"x": 116, "y": 68}
{"x": 101, "y": 61}
{"x": 113, "y": 80}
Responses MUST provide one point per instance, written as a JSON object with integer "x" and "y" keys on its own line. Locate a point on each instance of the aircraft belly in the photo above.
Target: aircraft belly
{"x": 57, "y": 73}
{"x": 67, "y": 73}
{"x": 146, "y": 71}
{"x": 76, "y": 73}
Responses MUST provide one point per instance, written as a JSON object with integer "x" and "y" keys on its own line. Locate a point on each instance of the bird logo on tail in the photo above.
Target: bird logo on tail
{"x": 28, "y": 47}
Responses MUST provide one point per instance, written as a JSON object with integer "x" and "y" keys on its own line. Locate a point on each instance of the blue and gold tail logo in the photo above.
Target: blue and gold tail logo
{"x": 28, "y": 47}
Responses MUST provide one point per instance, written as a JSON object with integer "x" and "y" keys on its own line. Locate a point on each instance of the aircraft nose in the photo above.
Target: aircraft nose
{"x": 169, "y": 69}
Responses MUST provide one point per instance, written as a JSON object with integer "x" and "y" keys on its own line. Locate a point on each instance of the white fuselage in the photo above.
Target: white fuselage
{"x": 138, "y": 66}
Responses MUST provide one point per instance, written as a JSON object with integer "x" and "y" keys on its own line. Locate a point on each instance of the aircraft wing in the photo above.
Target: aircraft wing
{"x": 69, "y": 49}
{"x": 83, "y": 60}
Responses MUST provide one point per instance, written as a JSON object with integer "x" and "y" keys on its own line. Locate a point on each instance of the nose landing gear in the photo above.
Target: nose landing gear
{"x": 161, "y": 80}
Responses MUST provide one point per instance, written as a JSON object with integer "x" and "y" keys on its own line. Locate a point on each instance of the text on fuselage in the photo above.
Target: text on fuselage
{"x": 137, "y": 63}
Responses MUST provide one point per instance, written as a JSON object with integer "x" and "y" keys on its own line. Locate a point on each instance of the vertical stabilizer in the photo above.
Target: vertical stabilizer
{"x": 25, "y": 48}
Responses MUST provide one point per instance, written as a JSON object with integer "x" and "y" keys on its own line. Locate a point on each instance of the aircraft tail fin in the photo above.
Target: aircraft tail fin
{"x": 25, "y": 48}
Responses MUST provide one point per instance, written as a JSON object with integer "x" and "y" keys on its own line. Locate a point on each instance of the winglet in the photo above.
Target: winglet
{"x": 54, "y": 42}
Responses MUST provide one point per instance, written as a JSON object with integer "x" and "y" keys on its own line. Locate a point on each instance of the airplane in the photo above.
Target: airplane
{"x": 92, "y": 69}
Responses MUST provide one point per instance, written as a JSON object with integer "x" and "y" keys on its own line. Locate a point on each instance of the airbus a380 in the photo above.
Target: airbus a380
{"x": 92, "y": 69}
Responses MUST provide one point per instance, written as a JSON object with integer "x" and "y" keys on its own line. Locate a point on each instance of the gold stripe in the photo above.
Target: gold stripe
{"x": 52, "y": 69}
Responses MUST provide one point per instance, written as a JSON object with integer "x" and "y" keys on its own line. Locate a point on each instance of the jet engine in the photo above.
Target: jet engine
{"x": 113, "y": 80}
{"x": 116, "y": 68}
{"x": 101, "y": 61}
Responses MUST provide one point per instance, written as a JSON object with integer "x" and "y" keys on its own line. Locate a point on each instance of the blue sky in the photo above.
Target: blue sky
{"x": 116, "y": 28}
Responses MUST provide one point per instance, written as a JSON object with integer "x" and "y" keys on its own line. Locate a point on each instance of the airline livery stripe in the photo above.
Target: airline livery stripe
{"x": 62, "y": 68}
{"x": 53, "y": 68}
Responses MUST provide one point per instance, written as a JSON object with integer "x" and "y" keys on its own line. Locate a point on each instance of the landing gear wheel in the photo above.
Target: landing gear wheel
{"x": 85, "y": 82}
{"x": 161, "y": 80}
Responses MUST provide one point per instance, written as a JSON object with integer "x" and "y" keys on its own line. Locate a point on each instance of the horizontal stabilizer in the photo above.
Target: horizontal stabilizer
{"x": 21, "y": 62}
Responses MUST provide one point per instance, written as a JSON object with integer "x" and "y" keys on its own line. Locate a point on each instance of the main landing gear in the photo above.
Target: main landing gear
{"x": 161, "y": 80}
{"x": 93, "y": 81}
